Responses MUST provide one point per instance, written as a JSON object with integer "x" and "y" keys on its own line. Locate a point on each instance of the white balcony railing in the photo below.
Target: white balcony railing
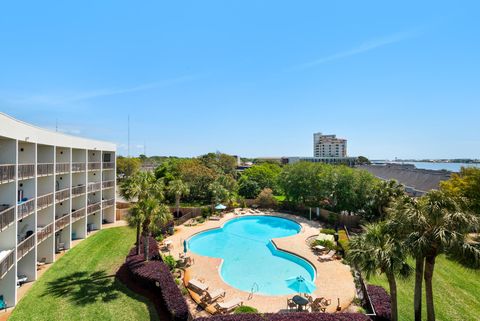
{"x": 7, "y": 217}
{"x": 7, "y": 263}
{"x": 62, "y": 195}
{"x": 45, "y": 169}
{"x": 26, "y": 208}
{"x": 26, "y": 171}
{"x": 7, "y": 173}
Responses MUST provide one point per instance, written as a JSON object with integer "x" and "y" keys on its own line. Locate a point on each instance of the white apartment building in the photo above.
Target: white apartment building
{"x": 329, "y": 146}
{"x": 54, "y": 188}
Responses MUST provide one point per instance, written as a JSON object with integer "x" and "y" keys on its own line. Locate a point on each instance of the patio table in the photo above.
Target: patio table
{"x": 300, "y": 301}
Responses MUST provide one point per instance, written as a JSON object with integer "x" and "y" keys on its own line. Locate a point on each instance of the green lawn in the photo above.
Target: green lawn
{"x": 456, "y": 292}
{"x": 81, "y": 285}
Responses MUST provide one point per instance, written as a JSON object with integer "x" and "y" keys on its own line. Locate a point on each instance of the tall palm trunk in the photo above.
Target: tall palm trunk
{"x": 139, "y": 227}
{"x": 177, "y": 204}
{"x": 146, "y": 246}
{"x": 429, "y": 267}
{"x": 417, "y": 297}
{"x": 393, "y": 294}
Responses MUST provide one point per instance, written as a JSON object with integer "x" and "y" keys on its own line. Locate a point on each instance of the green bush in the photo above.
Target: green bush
{"x": 245, "y": 309}
{"x": 328, "y": 244}
{"x": 206, "y": 212}
{"x": 170, "y": 261}
{"x": 329, "y": 231}
{"x": 159, "y": 238}
{"x": 332, "y": 219}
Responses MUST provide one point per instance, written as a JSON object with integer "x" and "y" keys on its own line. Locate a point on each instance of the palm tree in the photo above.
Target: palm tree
{"x": 178, "y": 189}
{"x": 378, "y": 250}
{"x": 442, "y": 227}
{"x": 404, "y": 215}
{"x": 386, "y": 192}
{"x": 156, "y": 215}
{"x": 139, "y": 187}
{"x": 218, "y": 193}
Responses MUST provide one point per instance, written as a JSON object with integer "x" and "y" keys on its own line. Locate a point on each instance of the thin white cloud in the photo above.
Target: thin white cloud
{"x": 362, "y": 48}
{"x": 50, "y": 99}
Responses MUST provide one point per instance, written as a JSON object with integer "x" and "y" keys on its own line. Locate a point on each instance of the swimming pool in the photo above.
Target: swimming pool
{"x": 250, "y": 259}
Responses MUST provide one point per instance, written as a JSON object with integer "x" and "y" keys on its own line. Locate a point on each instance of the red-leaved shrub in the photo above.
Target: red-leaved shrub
{"x": 380, "y": 300}
{"x": 156, "y": 276}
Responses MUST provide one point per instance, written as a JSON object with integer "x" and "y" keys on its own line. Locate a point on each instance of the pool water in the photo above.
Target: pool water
{"x": 250, "y": 260}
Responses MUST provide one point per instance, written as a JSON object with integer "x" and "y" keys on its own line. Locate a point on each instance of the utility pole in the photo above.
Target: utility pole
{"x": 128, "y": 136}
{"x": 144, "y": 148}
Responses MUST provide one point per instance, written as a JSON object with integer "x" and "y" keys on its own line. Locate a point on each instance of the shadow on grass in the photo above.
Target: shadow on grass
{"x": 83, "y": 288}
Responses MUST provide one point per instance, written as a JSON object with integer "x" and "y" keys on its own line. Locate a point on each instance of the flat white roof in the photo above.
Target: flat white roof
{"x": 17, "y": 129}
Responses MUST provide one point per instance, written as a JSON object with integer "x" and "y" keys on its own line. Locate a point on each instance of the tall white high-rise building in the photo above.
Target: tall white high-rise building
{"x": 54, "y": 188}
{"x": 329, "y": 146}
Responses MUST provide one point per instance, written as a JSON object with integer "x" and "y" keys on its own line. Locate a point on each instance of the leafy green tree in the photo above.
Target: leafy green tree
{"x": 466, "y": 185}
{"x": 222, "y": 164}
{"x": 263, "y": 176}
{"x": 377, "y": 250}
{"x": 266, "y": 199}
{"x": 198, "y": 177}
{"x": 248, "y": 188}
{"x": 301, "y": 184}
{"x": 362, "y": 160}
{"x": 127, "y": 166}
{"x": 178, "y": 188}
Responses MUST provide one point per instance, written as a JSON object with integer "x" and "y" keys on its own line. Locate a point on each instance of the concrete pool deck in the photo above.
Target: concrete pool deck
{"x": 334, "y": 279}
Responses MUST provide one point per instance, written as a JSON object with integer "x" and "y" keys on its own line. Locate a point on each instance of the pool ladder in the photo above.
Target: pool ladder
{"x": 253, "y": 290}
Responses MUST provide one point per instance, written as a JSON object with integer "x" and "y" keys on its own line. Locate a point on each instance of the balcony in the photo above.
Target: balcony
{"x": 94, "y": 187}
{"x": 25, "y": 246}
{"x": 93, "y": 208}
{"x": 45, "y": 169}
{"x": 78, "y": 167}
{"x": 7, "y": 262}
{"x": 7, "y": 173}
{"x": 62, "y": 195}
{"x": 78, "y": 190}
{"x": 44, "y": 233}
{"x": 44, "y": 201}
{"x": 108, "y": 165}
{"x": 7, "y": 216}
{"x": 108, "y": 203}
{"x": 78, "y": 214}
{"x": 62, "y": 222}
{"x": 94, "y": 166}
{"x": 108, "y": 184}
{"x": 62, "y": 168}
{"x": 26, "y": 208}
{"x": 26, "y": 171}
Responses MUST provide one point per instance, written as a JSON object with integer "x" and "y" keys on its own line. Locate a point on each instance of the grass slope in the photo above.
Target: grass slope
{"x": 456, "y": 292}
{"x": 82, "y": 285}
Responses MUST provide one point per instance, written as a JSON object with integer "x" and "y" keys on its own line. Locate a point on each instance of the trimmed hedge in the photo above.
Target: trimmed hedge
{"x": 154, "y": 272}
{"x": 297, "y": 316}
{"x": 381, "y": 302}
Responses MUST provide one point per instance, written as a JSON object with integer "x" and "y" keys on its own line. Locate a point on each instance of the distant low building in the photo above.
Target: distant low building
{"x": 349, "y": 161}
{"x": 416, "y": 181}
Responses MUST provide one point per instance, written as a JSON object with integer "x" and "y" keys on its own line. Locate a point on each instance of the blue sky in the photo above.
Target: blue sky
{"x": 254, "y": 78}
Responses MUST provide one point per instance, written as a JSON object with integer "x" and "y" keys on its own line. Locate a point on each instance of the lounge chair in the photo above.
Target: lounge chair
{"x": 327, "y": 257}
{"x": 61, "y": 247}
{"x": 226, "y": 307}
{"x": 317, "y": 305}
{"x": 197, "y": 286}
{"x": 3, "y": 303}
{"x": 212, "y": 296}
{"x": 291, "y": 305}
